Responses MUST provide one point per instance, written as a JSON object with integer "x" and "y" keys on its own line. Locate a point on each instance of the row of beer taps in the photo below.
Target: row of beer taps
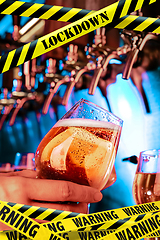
{"x": 29, "y": 78}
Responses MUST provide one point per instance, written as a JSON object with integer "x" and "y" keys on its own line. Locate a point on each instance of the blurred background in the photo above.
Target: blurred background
{"x": 108, "y": 67}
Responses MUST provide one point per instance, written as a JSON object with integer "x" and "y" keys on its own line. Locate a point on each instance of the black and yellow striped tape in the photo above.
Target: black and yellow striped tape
{"x": 74, "y": 235}
{"x": 137, "y": 23}
{"x": 142, "y": 220}
{"x": 65, "y": 14}
{"x": 56, "y": 215}
{"x": 122, "y": 233}
{"x": 42, "y": 213}
{"x": 42, "y": 11}
{"x": 109, "y": 220}
{"x": 69, "y": 33}
{"x": 23, "y": 224}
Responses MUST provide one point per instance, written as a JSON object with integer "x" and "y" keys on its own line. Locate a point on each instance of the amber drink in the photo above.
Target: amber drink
{"x": 80, "y": 150}
{"x": 146, "y": 185}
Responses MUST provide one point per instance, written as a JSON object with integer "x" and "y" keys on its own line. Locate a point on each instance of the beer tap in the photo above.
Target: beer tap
{"x": 55, "y": 81}
{"x": 7, "y": 105}
{"x": 91, "y": 51}
{"x": 137, "y": 42}
{"x": 21, "y": 96}
{"x": 81, "y": 68}
{"x": 101, "y": 66}
{"x": 36, "y": 75}
{"x": 34, "y": 70}
{"x": 71, "y": 66}
{"x": 103, "y": 55}
{"x": 19, "y": 104}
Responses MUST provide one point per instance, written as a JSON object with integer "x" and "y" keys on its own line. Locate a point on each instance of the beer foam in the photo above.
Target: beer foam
{"x": 76, "y": 122}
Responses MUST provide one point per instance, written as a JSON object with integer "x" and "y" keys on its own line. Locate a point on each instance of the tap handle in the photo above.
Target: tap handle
{"x": 33, "y": 72}
{"x": 97, "y": 37}
{"x": 50, "y": 70}
{"x": 100, "y": 37}
{"x": 72, "y": 55}
{"x": 51, "y": 66}
{"x": 103, "y": 37}
{"x": 16, "y": 27}
{"x": 27, "y": 75}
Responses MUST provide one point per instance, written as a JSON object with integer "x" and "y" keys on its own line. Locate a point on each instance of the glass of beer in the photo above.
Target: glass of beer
{"x": 81, "y": 147}
{"x": 146, "y": 185}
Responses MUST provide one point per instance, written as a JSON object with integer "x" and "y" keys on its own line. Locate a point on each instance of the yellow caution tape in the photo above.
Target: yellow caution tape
{"x": 69, "y": 33}
{"x": 74, "y": 235}
{"x": 103, "y": 220}
{"x": 12, "y": 235}
{"x": 52, "y": 214}
{"x": 83, "y": 220}
{"x": 66, "y": 14}
{"x": 136, "y": 230}
{"x": 24, "y": 224}
{"x": 91, "y": 235}
{"x": 107, "y": 220}
{"x": 137, "y": 221}
{"x": 88, "y": 235}
{"x": 42, "y": 213}
{"x": 148, "y": 226}
{"x": 42, "y": 11}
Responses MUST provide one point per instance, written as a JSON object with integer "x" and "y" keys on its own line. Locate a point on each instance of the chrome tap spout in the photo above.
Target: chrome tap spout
{"x": 19, "y": 104}
{"x": 54, "y": 88}
{"x": 75, "y": 79}
{"x": 133, "y": 54}
{"x": 98, "y": 71}
{"x": 71, "y": 85}
{"x": 8, "y": 105}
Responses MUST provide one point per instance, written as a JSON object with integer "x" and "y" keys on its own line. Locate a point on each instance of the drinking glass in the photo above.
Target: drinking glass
{"x": 81, "y": 147}
{"x": 146, "y": 185}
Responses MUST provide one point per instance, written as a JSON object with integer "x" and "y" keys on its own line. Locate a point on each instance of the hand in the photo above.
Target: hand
{"x": 23, "y": 187}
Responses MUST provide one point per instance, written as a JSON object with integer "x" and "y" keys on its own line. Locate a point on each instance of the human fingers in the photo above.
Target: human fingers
{"x": 26, "y": 173}
{"x": 57, "y": 190}
{"x": 23, "y": 173}
{"x": 12, "y": 189}
{"x": 67, "y": 206}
